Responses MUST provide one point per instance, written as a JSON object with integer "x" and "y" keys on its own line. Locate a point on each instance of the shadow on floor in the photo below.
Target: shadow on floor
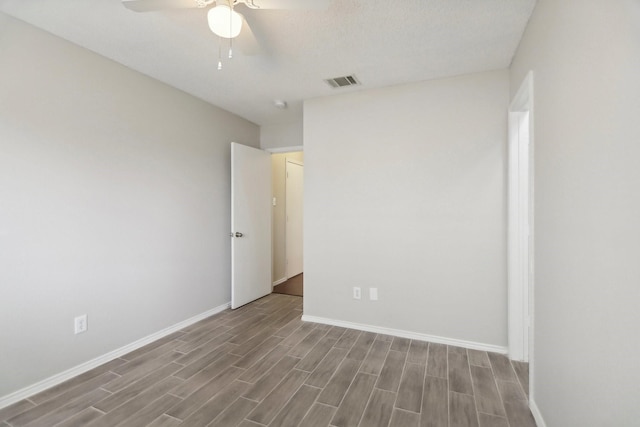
{"x": 293, "y": 286}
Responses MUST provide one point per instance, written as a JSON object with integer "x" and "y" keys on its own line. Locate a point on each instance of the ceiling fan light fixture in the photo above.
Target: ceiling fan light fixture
{"x": 224, "y": 21}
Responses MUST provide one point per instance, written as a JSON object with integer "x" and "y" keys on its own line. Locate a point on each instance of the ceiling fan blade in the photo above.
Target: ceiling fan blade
{"x": 151, "y": 5}
{"x": 288, "y": 4}
{"x": 247, "y": 42}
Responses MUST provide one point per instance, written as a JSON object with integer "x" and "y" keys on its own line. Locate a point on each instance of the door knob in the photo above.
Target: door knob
{"x": 239, "y": 234}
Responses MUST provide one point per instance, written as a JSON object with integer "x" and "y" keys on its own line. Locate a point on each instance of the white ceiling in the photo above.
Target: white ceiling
{"x": 382, "y": 42}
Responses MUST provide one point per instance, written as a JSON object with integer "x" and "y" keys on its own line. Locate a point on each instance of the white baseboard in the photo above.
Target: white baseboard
{"x": 86, "y": 366}
{"x": 277, "y": 282}
{"x": 537, "y": 415}
{"x": 284, "y": 149}
{"x": 407, "y": 334}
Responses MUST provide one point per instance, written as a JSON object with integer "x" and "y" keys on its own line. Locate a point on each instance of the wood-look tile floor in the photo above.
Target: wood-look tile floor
{"x": 261, "y": 365}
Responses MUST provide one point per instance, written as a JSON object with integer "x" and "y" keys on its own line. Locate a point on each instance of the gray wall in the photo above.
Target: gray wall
{"x": 114, "y": 193}
{"x": 279, "y": 217}
{"x": 586, "y": 60}
{"x": 405, "y": 191}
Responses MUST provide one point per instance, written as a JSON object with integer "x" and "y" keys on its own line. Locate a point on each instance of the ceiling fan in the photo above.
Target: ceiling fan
{"x": 224, "y": 20}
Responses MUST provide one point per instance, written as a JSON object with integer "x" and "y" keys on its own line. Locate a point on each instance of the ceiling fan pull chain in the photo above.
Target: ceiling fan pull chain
{"x": 219, "y": 53}
{"x": 231, "y": 30}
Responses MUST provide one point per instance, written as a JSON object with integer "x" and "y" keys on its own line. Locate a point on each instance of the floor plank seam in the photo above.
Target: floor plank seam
{"x": 404, "y": 367}
{"x": 93, "y": 407}
{"x": 473, "y": 388}
{"x": 448, "y": 387}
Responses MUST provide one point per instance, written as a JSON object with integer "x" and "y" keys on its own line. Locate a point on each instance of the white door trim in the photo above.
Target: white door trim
{"x": 520, "y": 224}
{"x": 284, "y": 149}
{"x": 287, "y": 234}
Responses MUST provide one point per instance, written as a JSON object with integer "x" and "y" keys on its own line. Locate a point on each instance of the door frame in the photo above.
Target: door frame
{"x": 286, "y": 211}
{"x": 283, "y": 150}
{"x": 520, "y": 253}
{"x": 291, "y": 149}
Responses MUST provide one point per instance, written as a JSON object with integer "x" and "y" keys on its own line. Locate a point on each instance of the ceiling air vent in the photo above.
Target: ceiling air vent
{"x": 342, "y": 81}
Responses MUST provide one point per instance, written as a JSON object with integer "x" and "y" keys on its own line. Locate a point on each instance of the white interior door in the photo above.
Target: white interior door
{"x": 250, "y": 224}
{"x": 294, "y": 193}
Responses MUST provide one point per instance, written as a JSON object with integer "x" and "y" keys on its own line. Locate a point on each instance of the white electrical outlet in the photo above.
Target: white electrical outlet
{"x": 80, "y": 324}
{"x": 356, "y": 293}
{"x": 373, "y": 294}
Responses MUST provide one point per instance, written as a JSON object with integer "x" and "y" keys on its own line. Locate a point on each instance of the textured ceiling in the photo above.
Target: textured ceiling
{"x": 382, "y": 42}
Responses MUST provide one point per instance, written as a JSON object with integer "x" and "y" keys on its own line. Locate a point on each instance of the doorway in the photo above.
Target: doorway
{"x": 287, "y": 186}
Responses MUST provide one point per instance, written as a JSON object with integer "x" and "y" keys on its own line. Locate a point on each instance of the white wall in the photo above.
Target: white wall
{"x": 585, "y": 56}
{"x": 405, "y": 191}
{"x": 281, "y": 136}
{"x": 114, "y": 202}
